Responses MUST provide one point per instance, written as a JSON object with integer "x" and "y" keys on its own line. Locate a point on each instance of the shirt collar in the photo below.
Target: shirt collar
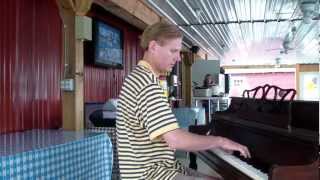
{"x": 148, "y": 66}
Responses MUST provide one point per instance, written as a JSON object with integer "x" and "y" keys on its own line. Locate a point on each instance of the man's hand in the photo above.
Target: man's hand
{"x": 229, "y": 145}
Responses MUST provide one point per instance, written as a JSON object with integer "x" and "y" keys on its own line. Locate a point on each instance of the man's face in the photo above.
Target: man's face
{"x": 167, "y": 54}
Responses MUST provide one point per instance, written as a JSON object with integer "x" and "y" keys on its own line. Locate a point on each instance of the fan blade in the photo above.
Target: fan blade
{"x": 275, "y": 49}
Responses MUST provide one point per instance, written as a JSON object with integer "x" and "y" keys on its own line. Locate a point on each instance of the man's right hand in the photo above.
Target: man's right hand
{"x": 230, "y": 145}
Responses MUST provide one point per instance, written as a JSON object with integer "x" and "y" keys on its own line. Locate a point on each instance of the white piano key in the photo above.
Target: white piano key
{"x": 242, "y": 166}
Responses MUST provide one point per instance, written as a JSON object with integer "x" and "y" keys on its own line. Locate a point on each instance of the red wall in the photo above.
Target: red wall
{"x": 102, "y": 83}
{"x": 30, "y": 65}
{"x": 240, "y": 82}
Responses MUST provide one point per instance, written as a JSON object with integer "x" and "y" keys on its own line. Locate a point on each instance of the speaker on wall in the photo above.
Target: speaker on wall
{"x": 194, "y": 49}
{"x": 83, "y": 28}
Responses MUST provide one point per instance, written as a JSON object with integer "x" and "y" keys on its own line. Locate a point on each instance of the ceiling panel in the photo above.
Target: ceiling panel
{"x": 269, "y": 28}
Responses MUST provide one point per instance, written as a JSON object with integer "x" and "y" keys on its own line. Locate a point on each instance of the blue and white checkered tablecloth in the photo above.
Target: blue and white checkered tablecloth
{"x": 55, "y": 154}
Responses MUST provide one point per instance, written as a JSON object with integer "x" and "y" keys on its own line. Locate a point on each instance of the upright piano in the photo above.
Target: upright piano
{"x": 282, "y": 137}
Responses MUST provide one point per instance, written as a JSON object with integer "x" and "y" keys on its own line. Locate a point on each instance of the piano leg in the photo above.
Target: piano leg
{"x": 202, "y": 130}
{"x": 193, "y": 161}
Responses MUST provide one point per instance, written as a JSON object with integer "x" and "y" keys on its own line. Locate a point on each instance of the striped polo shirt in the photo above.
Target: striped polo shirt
{"x": 143, "y": 115}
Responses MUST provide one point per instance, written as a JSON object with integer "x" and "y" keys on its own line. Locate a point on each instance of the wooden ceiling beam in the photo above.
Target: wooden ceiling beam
{"x": 135, "y": 12}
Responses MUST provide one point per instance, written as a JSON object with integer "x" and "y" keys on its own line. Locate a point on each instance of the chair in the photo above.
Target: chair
{"x": 266, "y": 89}
{"x": 112, "y": 133}
{"x": 185, "y": 116}
{"x": 93, "y": 116}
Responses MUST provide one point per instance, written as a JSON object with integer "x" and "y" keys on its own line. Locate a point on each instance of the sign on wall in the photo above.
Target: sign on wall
{"x": 309, "y": 86}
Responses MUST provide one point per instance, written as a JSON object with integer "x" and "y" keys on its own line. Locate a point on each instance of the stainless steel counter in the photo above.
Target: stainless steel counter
{"x": 211, "y": 100}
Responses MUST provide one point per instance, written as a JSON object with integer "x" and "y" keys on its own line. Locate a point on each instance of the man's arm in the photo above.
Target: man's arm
{"x": 182, "y": 140}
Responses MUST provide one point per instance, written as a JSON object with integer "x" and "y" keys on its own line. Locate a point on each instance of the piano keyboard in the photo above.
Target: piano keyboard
{"x": 242, "y": 166}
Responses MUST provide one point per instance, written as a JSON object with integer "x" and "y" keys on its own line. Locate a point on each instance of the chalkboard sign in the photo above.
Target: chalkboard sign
{"x": 108, "y": 49}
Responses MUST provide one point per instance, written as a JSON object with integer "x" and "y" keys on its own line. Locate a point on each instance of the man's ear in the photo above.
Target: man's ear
{"x": 152, "y": 46}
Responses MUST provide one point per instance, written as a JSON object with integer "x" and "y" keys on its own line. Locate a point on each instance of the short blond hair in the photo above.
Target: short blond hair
{"x": 160, "y": 31}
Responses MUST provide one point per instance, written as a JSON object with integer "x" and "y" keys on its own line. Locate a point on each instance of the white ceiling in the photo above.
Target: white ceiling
{"x": 247, "y": 31}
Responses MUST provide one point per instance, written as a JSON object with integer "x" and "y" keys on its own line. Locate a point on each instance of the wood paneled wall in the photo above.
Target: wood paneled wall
{"x": 104, "y": 83}
{"x": 30, "y": 65}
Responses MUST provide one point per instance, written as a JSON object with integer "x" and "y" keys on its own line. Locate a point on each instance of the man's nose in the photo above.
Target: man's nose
{"x": 178, "y": 58}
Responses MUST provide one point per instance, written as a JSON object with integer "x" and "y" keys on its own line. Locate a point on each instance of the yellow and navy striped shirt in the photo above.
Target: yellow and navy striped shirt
{"x": 143, "y": 115}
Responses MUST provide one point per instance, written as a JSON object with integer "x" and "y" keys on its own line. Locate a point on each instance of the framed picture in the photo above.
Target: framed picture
{"x": 309, "y": 86}
{"x": 107, "y": 45}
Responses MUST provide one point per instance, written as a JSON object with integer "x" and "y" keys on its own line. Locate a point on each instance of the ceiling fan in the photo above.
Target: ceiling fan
{"x": 309, "y": 10}
{"x": 288, "y": 42}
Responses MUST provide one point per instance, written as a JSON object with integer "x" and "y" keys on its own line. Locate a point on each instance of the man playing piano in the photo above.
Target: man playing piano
{"x": 147, "y": 131}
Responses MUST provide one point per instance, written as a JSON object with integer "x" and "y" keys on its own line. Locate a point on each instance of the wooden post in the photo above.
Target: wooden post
{"x": 73, "y": 101}
{"x": 188, "y": 59}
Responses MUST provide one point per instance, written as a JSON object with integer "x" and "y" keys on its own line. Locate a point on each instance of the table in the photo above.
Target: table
{"x": 216, "y": 100}
{"x": 112, "y": 133}
{"x": 55, "y": 154}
